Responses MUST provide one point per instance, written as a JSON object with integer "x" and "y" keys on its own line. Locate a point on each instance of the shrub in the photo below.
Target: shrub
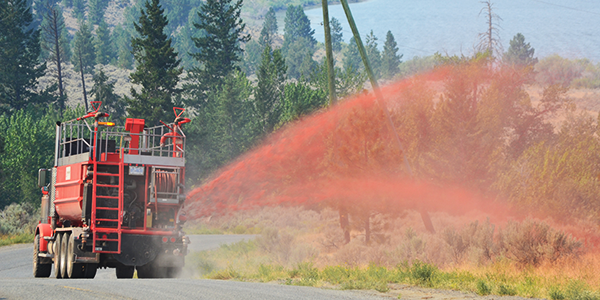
{"x": 556, "y": 293}
{"x": 482, "y": 288}
{"x": 507, "y": 290}
{"x": 278, "y": 243}
{"x": 423, "y": 273}
{"x": 18, "y": 219}
{"x": 532, "y": 242}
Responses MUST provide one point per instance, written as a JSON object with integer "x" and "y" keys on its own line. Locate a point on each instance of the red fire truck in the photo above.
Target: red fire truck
{"x": 114, "y": 199}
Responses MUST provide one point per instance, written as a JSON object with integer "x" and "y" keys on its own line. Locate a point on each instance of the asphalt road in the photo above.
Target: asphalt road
{"x": 17, "y": 282}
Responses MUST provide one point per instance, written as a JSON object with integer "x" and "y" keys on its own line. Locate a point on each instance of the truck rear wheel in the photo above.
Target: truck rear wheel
{"x": 57, "y": 252}
{"x": 125, "y": 272}
{"x": 74, "y": 270}
{"x": 64, "y": 242}
{"x": 39, "y": 270}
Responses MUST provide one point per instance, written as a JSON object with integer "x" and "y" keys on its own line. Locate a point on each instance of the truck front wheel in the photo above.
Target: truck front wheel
{"x": 39, "y": 270}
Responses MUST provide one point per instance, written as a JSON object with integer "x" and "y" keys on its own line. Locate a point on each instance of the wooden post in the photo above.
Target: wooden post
{"x": 329, "y": 54}
{"x": 379, "y": 96}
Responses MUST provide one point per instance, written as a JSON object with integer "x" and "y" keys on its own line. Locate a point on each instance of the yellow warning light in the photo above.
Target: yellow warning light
{"x": 110, "y": 124}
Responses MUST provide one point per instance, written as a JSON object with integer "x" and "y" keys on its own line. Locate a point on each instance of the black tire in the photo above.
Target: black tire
{"x": 64, "y": 243}
{"x": 57, "y": 252}
{"x": 39, "y": 269}
{"x": 174, "y": 272}
{"x": 125, "y": 272}
{"x": 74, "y": 270}
{"x": 145, "y": 271}
{"x": 90, "y": 270}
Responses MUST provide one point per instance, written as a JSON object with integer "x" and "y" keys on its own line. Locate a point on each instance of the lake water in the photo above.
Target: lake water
{"x": 422, "y": 27}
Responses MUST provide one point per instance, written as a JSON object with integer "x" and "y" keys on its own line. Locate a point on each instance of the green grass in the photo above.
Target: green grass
{"x": 22, "y": 238}
{"x": 243, "y": 261}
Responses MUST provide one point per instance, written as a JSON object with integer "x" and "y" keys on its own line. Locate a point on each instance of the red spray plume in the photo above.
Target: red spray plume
{"x": 341, "y": 156}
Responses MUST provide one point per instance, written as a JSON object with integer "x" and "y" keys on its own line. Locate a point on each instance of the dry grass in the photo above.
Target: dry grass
{"x": 305, "y": 247}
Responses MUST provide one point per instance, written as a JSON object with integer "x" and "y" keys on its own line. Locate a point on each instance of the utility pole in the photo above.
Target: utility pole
{"x": 329, "y": 54}
{"x": 379, "y": 96}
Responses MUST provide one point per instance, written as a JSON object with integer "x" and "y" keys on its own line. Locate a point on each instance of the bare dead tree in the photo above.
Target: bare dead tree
{"x": 489, "y": 41}
{"x": 52, "y": 42}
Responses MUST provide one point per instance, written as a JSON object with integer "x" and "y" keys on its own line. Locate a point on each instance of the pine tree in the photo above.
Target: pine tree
{"x": 336, "y": 35}
{"x": 103, "y": 90}
{"x": 157, "y": 67}
{"x": 19, "y": 52}
{"x": 520, "y": 53}
{"x": 219, "y": 49}
{"x": 83, "y": 55}
{"x": 390, "y": 61}
{"x": 373, "y": 54}
{"x": 268, "y": 97}
{"x": 352, "y": 59}
{"x": 79, "y": 9}
{"x": 297, "y": 25}
{"x": 55, "y": 44}
{"x": 269, "y": 29}
{"x": 103, "y": 44}
{"x": 123, "y": 47}
{"x": 96, "y": 9}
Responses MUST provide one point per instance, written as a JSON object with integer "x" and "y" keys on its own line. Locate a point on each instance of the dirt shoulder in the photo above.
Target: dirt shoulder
{"x": 402, "y": 291}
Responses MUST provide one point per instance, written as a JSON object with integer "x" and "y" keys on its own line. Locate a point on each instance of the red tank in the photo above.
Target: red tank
{"x": 114, "y": 199}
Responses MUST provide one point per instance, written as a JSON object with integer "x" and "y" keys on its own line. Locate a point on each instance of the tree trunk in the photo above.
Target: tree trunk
{"x": 368, "y": 229}
{"x": 85, "y": 101}
{"x": 345, "y": 224}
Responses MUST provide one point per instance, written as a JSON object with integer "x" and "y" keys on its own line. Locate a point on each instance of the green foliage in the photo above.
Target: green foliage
{"x": 184, "y": 45}
{"x": 352, "y": 59}
{"x": 79, "y": 9}
{"x": 19, "y": 52}
{"x": 103, "y": 90}
{"x": 423, "y": 273}
{"x": 223, "y": 128}
{"x": 83, "y": 49}
{"x": 417, "y": 65}
{"x": 390, "y": 60}
{"x": 268, "y": 97}
{"x": 252, "y": 57}
{"x": 157, "y": 68}
{"x": 18, "y": 219}
{"x": 55, "y": 43}
{"x": 299, "y": 59}
{"x": 298, "y": 43}
{"x": 22, "y": 238}
{"x": 269, "y": 29}
{"x": 96, "y": 9}
{"x": 218, "y": 47}
{"x": 336, "y": 35}
{"x": 28, "y": 144}
{"x": 520, "y": 53}
{"x": 103, "y": 44}
{"x": 300, "y": 99}
{"x": 297, "y": 26}
{"x": 507, "y": 290}
{"x": 122, "y": 42}
{"x": 373, "y": 54}
{"x": 482, "y": 288}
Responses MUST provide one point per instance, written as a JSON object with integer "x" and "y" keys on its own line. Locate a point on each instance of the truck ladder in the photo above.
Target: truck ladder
{"x": 107, "y": 205}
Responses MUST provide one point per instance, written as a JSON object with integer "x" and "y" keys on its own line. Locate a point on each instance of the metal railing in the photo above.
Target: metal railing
{"x": 76, "y": 138}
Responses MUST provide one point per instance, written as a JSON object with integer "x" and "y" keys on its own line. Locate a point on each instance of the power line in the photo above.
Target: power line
{"x": 567, "y": 7}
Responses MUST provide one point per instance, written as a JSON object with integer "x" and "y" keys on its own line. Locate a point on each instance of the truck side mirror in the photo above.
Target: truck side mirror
{"x": 42, "y": 177}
